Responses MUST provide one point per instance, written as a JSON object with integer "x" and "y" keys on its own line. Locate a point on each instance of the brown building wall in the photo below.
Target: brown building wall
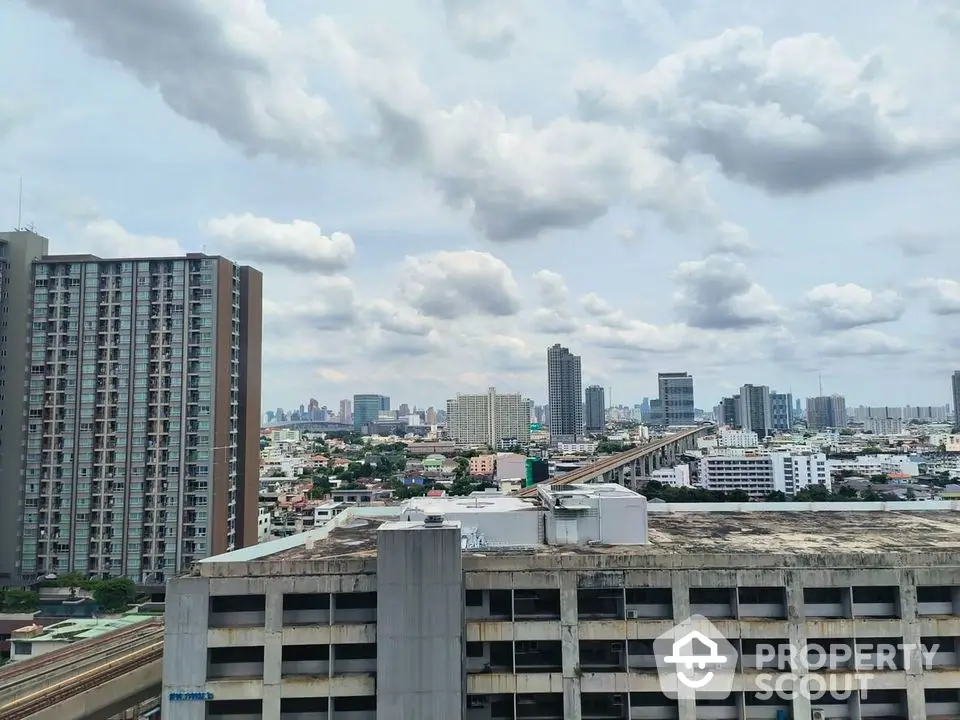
{"x": 251, "y": 366}
{"x": 221, "y": 408}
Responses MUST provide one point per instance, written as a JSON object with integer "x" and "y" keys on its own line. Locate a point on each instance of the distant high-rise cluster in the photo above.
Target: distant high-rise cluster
{"x": 758, "y": 409}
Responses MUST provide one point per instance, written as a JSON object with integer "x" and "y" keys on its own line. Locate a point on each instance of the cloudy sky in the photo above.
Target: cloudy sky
{"x": 436, "y": 190}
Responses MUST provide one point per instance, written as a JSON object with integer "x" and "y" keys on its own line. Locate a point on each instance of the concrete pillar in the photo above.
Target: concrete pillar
{"x": 796, "y": 629}
{"x": 272, "y": 651}
{"x": 686, "y": 707}
{"x": 570, "y": 645}
{"x": 420, "y": 623}
{"x": 186, "y": 619}
{"x": 913, "y": 660}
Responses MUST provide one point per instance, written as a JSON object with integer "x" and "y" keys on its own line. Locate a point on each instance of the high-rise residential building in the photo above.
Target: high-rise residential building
{"x": 346, "y": 412}
{"x": 493, "y": 419}
{"x": 18, "y": 251}
{"x": 565, "y": 394}
{"x": 955, "y": 383}
{"x": 594, "y": 410}
{"x": 827, "y": 411}
{"x": 142, "y": 414}
{"x": 676, "y": 398}
{"x": 403, "y": 410}
{"x": 367, "y": 409}
{"x": 781, "y": 410}
{"x": 754, "y": 409}
{"x": 431, "y": 416}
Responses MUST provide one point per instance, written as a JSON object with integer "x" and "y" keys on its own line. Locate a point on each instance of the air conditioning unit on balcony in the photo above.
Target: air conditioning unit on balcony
{"x": 633, "y": 614}
{"x": 817, "y": 714}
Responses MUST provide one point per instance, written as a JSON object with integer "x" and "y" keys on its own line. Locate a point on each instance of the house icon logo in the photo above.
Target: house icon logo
{"x": 695, "y": 660}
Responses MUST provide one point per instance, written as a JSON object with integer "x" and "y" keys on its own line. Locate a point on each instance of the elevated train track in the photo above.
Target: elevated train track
{"x": 31, "y": 687}
{"x": 659, "y": 450}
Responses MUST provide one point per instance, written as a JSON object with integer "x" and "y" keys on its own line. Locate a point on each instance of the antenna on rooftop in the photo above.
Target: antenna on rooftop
{"x": 20, "y": 205}
{"x": 820, "y": 382}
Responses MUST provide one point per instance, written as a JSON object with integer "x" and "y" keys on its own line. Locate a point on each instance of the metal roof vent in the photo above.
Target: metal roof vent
{"x": 433, "y": 521}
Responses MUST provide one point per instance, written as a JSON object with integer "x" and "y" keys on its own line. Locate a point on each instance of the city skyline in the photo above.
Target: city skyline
{"x": 508, "y": 198}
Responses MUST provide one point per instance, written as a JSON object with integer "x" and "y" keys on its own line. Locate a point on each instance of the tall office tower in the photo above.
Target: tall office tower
{"x": 18, "y": 250}
{"x": 755, "y": 412}
{"x": 594, "y": 410}
{"x": 781, "y": 409}
{"x": 493, "y": 419}
{"x": 346, "y": 413}
{"x": 676, "y": 398}
{"x": 143, "y": 414}
{"x": 828, "y": 411}
{"x": 367, "y": 409}
{"x": 956, "y": 398}
{"x": 565, "y": 394}
{"x": 431, "y": 416}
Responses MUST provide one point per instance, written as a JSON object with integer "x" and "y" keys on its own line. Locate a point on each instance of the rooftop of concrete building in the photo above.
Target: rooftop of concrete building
{"x": 77, "y": 629}
{"x": 694, "y": 529}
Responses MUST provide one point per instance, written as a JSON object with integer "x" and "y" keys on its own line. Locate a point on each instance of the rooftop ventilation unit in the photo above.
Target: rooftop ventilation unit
{"x": 433, "y": 521}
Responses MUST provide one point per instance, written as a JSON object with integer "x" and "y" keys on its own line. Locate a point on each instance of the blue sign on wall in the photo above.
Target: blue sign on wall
{"x": 186, "y": 696}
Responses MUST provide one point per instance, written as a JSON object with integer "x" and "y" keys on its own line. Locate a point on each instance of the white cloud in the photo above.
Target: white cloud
{"x": 325, "y": 304}
{"x": 861, "y": 342}
{"x": 108, "y": 238}
{"x": 718, "y": 293}
{"x": 943, "y": 295}
{"x": 486, "y": 29}
{"x": 840, "y": 307}
{"x": 449, "y": 285}
{"x": 604, "y": 313}
{"x": 552, "y": 288}
{"x": 378, "y": 122}
{"x": 298, "y": 246}
{"x": 794, "y": 115}
{"x": 229, "y": 66}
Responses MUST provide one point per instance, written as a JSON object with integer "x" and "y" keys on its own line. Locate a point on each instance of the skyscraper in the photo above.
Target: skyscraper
{"x": 676, "y": 398}
{"x": 956, "y": 398}
{"x": 491, "y": 418}
{"x": 594, "y": 410}
{"x": 142, "y": 414}
{"x": 346, "y": 414}
{"x": 367, "y": 409}
{"x": 565, "y": 394}
{"x": 18, "y": 250}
